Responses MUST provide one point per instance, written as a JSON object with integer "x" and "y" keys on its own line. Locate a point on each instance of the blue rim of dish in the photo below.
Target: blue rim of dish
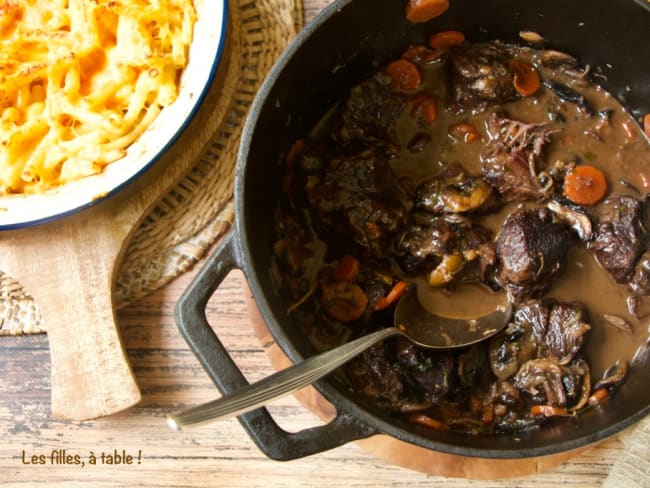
{"x": 181, "y": 129}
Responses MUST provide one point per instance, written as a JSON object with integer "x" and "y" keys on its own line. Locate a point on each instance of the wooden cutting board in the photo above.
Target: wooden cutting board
{"x": 69, "y": 267}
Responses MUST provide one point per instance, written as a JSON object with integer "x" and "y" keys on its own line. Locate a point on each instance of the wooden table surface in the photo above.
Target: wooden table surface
{"x": 34, "y": 447}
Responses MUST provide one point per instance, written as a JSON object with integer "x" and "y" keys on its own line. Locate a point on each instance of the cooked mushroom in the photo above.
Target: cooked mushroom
{"x": 542, "y": 377}
{"x": 467, "y": 196}
{"x": 509, "y": 350}
{"x": 619, "y": 322}
{"x": 532, "y": 37}
{"x": 577, "y": 383}
{"x": 574, "y": 216}
{"x": 448, "y": 268}
{"x": 456, "y": 195}
{"x": 566, "y": 330}
{"x": 569, "y": 95}
{"x": 554, "y": 59}
{"x": 613, "y": 376}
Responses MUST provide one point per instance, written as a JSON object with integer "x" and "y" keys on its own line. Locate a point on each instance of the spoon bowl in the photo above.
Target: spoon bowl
{"x": 412, "y": 321}
{"x": 437, "y": 332}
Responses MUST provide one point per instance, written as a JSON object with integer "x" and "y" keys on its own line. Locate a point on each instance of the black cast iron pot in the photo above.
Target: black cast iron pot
{"x": 344, "y": 44}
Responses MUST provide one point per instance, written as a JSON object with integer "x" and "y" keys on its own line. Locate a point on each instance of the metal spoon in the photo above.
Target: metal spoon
{"x": 413, "y": 322}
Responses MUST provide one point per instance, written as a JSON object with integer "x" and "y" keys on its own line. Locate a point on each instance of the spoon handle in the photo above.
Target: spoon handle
{"x": 278, "y": 384}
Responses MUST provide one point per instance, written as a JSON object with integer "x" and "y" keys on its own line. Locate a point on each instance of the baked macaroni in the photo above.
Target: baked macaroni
{"x": 80, "y": 80}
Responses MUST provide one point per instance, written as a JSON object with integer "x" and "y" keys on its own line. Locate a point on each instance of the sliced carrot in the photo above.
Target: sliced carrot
{"x": 646, "y": 125}
{"x": 449, "y": 38}
{"x": 374, "y": 232}
{"x": 548, "y": 411}
{"x": 465, "y": 132}
{"x": 343, "y": 301}
{"x": 347, "y": 268}
{"x": 294, "y": 152}
{"x": 393, "y": 295}
{"x": 419, "y": 418}
{"x": 585, "y": 185}
{"x": 526, "y": 79}
{"x": 488, "y": 414}
{"x": 598, "y": 397}
{"x": 404, "y": 75}
{"x": 418, "y": 11}
{"x": 420, "y": 53}
{"x": 425, "y": 107}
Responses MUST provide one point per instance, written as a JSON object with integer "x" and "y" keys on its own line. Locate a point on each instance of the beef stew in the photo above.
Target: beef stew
{"x": 475, "y": 171}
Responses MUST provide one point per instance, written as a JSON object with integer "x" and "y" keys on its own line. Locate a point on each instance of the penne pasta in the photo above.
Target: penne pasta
{"x": 80, "y": 80}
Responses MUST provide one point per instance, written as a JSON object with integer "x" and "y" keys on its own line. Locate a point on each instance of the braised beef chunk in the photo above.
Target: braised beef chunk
{"x": 620, "y": 236}
{"x": 506, "y": 402}
{"x": 539, "y": 329}
{"x": 511, "y": 160}
{"x": 566, "y": 330}
{"x": 291, "y": 247}
{"x": 423, "y": 247}
{"x": 375, "y": 378}
{"x": 532, "y": 251}
{"x": 376, "y": 279}
{"x": 425, "y": 372}
{"x": 449, "y": 251}
{"x": 357, "y": 196}
{"x": 473, "y": 367}
{"x": 533, "y": 315}
{"x": 371, "y": 110}
{"x": 401, "y": 377}
{"x": 480, "y": 76}
{"x": 478, "y": 249}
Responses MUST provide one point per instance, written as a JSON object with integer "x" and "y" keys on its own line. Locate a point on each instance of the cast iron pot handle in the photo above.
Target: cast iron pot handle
{"x": 271, "y": 439}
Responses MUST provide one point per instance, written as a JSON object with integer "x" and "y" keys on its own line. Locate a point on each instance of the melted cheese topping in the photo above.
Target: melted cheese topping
{"x": 80, "y": 80}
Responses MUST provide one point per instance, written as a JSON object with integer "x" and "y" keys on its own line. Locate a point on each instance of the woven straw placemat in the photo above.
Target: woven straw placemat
{"x": 188, "y": 220}
{"x": 632, "y": 468}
